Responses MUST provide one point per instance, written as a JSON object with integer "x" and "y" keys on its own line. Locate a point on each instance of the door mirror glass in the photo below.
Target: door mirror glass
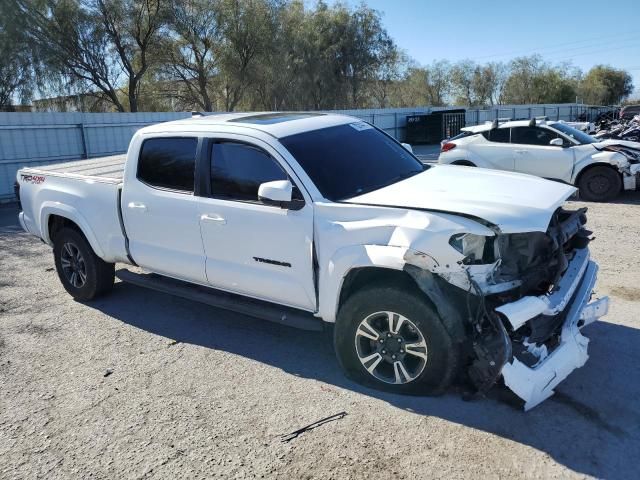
{"x": 279, "y": 193}
{"x": 407, "y": 147}
{"x": 557, "y": 142}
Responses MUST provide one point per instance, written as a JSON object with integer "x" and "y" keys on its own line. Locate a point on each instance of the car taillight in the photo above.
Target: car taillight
{"x": 447, "y": 146}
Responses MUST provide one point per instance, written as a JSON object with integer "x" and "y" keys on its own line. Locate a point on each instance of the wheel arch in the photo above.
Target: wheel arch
{"x": 358, "y": 277}
{"x": 365, "y": 264}
{"x": 348, "y": 259}
{"x": 580, "y": 173}
{"x": 53, "y": 217}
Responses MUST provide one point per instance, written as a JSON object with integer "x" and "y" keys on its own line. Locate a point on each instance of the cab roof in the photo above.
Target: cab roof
{"x": 276, "y": 124}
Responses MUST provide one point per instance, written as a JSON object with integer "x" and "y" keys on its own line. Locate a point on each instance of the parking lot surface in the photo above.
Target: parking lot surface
{"x": 144, "y": 385}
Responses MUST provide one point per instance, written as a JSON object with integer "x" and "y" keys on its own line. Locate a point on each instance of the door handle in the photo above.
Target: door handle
{"x": 213, "y": 218}
{"x": 137, "y": 206}
{"x": 520, "y": 151}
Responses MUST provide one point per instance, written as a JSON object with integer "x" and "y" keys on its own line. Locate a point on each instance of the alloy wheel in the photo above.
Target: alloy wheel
{"x": 73, "y": 265}
{"x": 391, "y": 347}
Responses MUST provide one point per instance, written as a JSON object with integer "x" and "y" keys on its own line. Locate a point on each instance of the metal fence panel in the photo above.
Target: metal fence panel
{"x": 43, "y": 138}
{"x": 33, "y": 139}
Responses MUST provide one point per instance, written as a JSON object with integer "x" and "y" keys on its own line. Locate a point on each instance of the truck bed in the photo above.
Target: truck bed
{"x": 106, "y": 169}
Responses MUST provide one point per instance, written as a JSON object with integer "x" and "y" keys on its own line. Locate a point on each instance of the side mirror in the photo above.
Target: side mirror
{"x": 557, "y": 142}
{"x": 279, "y": 193}
{"x": 407, "y": 147}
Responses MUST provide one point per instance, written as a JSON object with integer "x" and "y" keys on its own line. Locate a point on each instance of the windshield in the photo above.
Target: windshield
{"x": 349, "y": 160}
{"x": 581, "y": 137}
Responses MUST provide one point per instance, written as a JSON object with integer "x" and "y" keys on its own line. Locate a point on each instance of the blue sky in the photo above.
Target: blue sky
{"x": 584, "y": 32}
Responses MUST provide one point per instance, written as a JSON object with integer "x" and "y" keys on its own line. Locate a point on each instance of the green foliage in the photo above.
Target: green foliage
{"x": 604, "y": 85}
{"x": 532, "y": 80}
{"x": 224, "y": 55}
{"x": 17, "y": 59}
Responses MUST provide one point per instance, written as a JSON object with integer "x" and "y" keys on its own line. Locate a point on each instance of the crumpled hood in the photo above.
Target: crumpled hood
{"x": 514, "y": 202}
{"x": 622, "y": 143}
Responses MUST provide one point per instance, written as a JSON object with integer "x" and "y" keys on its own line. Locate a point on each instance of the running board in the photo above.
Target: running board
{"x": 288, "y": 316}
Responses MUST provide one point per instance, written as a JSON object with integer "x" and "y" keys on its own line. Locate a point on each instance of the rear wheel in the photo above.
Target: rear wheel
{"x": 393, "y": 340}
{"x": 599, "y": 184}
{"x": 83, "y": 274}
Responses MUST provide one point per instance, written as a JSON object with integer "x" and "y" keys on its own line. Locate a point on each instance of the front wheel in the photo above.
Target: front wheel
{"x": 599, "y": 184}
{"x": 392, "y": 339}
{"x": 83, "y": 274}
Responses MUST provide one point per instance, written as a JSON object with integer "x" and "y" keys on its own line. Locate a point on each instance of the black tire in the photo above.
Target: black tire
{"x": 443, "y": 353}
{"x": 463, "y": 163}
{"x": 98, "y": 274}
{"x": 599, "y": 184}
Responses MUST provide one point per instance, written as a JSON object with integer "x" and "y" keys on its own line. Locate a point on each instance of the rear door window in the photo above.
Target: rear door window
{"x": 168, "y": 162}
{"x": 498, "y": 135}
{"x": 532, "y": 136}
{"x": 462, "y": 134}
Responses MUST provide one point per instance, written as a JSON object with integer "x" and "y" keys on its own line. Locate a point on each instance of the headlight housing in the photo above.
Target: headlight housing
{"x": 477, "y": 249}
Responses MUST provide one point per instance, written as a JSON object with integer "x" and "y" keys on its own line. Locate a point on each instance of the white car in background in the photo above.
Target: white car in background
{"x": 548, "y": 149}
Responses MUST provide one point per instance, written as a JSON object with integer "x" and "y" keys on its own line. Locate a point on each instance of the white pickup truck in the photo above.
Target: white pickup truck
{"x": 429, "y": 273}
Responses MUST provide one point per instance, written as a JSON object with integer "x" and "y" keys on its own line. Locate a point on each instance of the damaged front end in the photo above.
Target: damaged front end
{"x": 629, "y": 166}
{"x": 523, "y": 297}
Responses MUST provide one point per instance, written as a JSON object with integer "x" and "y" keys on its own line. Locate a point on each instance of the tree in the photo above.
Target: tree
{"x": 532, "y": 80}
{"x": 462, "y": 78}
{"x": 193, "y": 50}
{"x": 438, "y": 82}
{"x": 604, "y": 85}
{"x": 393, "y": 64}
{"x": 476, "y": 85}
{"x": 17, "y": 60}
{"x": 74, "y": 44}
{"x": 315, "y": 59}
{"x": 428, "y": 85}
{"x": 246, "y": 26}
{"x": 498, "y": 73}
{"x": 364, "y": 45}
{"x": 132, "y": 28}
{"x": 98, "y": 42}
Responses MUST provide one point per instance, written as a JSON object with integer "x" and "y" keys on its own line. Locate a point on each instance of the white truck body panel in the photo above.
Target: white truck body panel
{"x": 513, "y": 202}
{"x": 79, "y": 200}
{"x": 294, "y": 257}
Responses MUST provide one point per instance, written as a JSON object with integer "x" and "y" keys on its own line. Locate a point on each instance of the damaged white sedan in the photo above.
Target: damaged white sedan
{"x": 548, "y": 149}
{"x": 428, "y": 273}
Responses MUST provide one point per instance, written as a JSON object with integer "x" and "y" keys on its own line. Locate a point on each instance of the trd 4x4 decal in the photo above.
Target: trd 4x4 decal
{"x": 36, "y": 179}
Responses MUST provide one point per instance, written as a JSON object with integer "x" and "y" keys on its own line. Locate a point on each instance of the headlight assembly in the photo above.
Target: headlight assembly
{"x": 476, "y": 249}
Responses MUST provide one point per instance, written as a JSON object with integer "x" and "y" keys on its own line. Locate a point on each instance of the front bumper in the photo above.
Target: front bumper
{"x": 573, "y": 292}
{"x": 631, "y": 180}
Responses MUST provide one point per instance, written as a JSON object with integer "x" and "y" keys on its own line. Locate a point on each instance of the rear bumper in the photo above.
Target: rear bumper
{"x": 22, "y": 222}
{"x": 535, "y": 384}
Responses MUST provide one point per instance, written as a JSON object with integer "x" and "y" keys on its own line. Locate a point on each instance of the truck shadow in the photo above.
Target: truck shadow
{"x": 591, "y": 425}
{"x": 626, "y": 198}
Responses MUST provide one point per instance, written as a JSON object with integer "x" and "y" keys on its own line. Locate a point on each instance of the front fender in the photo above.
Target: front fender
{"x": 70, "y": 213}
{"x": 346, "y": 259}
{"x": 614, "y": 159}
